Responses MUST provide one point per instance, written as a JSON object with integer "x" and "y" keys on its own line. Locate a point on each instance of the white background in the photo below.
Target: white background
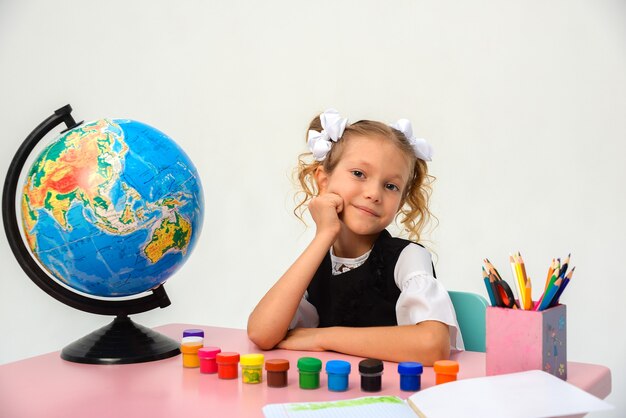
{"x": 523, "y": 101}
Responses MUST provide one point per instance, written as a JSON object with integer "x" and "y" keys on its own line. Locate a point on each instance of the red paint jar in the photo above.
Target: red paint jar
{"x": 208, "y": 362}
{"x": 227, "y": 365}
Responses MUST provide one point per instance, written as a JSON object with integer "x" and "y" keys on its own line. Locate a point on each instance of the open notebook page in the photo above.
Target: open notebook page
{"x": 527, "y": 394}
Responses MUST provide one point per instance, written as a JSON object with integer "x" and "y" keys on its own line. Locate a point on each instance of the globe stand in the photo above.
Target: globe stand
{"x": 120, "y": 342}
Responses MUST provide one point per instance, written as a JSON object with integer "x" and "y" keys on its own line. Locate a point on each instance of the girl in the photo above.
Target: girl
{"x": 355, "y": 289}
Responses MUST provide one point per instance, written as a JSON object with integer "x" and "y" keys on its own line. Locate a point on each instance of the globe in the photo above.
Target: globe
{"x": 112, "y": 207}
{"x": 107, "y": 212}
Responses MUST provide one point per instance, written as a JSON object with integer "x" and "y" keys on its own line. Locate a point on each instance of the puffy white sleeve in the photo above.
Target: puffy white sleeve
{"x": 306, "y": 316}
{"x": 422, "y": 296}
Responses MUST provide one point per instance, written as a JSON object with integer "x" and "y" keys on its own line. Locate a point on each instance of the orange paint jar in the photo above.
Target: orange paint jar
{"x": 445, "y": 371}
{"x": 190, "y": 354}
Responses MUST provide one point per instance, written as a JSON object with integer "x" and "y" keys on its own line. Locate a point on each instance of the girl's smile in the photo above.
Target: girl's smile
{"x": 368, "y": 211}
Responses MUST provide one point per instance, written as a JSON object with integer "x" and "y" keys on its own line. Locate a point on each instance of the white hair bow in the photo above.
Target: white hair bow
{"x": 320, "y": 142}
{"x": 421, "y": 147}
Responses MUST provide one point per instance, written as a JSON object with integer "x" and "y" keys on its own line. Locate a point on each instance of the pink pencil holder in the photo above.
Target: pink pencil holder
{"x": 519, "y": 340}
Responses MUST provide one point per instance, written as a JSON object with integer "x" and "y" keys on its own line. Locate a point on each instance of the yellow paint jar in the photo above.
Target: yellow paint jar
{"x": 251, "y": 368}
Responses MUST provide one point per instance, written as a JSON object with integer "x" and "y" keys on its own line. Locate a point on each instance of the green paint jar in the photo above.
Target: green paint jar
{"x": 309, "y": 372}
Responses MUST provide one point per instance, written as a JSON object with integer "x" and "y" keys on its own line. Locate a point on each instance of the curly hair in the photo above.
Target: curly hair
{"x": 413, "y": 214}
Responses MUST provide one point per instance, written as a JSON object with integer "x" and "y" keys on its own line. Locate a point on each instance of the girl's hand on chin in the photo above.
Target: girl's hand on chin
{"x": 325, "y": 210}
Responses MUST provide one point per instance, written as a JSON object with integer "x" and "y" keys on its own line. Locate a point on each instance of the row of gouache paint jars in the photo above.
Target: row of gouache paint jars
{"x": 371, "y": 371}
{"x": 338, "y": 371}
{"x": 212, "y": 360}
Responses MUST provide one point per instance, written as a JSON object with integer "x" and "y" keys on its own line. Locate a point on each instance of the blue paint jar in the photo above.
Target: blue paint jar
{"x": 338, "y": 372}
{"x": 410, "y": 376}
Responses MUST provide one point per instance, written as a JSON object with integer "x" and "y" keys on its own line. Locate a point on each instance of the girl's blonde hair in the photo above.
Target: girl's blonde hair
{"x": 414, "y": 213}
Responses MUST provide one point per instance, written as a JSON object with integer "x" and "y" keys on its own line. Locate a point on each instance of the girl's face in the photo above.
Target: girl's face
{"x": 371, "y": 177}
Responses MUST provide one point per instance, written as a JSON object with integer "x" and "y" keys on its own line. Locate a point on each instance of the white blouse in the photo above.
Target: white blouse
{"x": 422, "y": 297}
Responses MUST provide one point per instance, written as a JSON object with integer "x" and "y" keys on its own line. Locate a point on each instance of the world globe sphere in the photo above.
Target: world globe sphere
{"x": 111, "y": 208}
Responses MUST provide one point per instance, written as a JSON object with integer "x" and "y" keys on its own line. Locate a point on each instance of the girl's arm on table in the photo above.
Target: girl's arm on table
{"x": 425, "y": 342}
{"x": 269, "y": 321}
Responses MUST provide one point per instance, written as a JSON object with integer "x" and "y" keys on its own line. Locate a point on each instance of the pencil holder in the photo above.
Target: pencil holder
{"x": 519, "y": 340}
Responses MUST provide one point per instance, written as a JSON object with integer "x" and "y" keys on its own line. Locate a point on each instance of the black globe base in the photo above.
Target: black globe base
{"x": 121, "y": 342}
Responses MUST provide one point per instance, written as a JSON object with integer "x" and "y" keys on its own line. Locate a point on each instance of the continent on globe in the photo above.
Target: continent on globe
{"x": 168, "y": 236}
{"x": 112, "y": 207}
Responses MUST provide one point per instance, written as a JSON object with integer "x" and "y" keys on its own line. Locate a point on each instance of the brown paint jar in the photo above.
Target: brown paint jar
{"x": 277, "y": 372}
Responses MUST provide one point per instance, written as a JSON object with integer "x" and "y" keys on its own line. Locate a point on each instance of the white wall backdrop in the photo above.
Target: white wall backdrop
{"x": 524, "y": 102}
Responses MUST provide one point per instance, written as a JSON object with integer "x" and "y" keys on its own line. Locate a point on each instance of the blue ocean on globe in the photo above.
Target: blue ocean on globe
{"x": 112, "y": 208}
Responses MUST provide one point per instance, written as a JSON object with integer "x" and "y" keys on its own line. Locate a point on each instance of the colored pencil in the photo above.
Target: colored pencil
{"x": 489, "y": 288}
{"x": 516, "y": 280}
{"x": 557, "y": 267}
{"x": 520, "y": 260}
{"x": 566, "y": 280}
{"x": 571, "y": 273}
{"x": 491, "y": 268}
{"x": 527, "y": 284}
{"x": 555, "y": 299}
{"x": 548, "y": 287}
{"x": 564, "y": 266}
{"x": 547, "y": 299}
{"x": 528, "y": 295}
{"x": 496, "y": 294}
{"x": 521, "y": 281}
{"x": 550, "y": 272}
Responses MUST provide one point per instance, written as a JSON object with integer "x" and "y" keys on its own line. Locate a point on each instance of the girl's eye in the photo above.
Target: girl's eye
{"x": 391, "y": 186}
{"x": 357, "y": 173}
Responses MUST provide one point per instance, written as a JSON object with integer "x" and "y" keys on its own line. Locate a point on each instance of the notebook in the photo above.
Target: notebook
{"x": 525, "y": 395}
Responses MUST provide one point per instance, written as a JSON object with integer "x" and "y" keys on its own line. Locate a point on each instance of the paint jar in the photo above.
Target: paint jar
{"x": 193, "y": 335}
{"x": 207, "y": 359}
{"x": 338, "y": 372}
{"x": 190, "y": 354}
{"x": 445, "y": 371}
{"x": 371, "y": 371}
{"x": 227, "y": 365}
{"x": 252, "y": 368}
{"x": 194, "y": 332}
{"x": 277, "y": 372}
{"x": 309, "y": 372}
{"x": 410, "y": 375}
{"x": 193, "y": 339}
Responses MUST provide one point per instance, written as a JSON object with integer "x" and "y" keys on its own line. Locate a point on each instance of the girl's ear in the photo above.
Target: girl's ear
{"x": 321, "y": 178}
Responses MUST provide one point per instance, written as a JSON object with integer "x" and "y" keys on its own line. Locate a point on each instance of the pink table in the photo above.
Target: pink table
{"x": 47, "y": 386}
